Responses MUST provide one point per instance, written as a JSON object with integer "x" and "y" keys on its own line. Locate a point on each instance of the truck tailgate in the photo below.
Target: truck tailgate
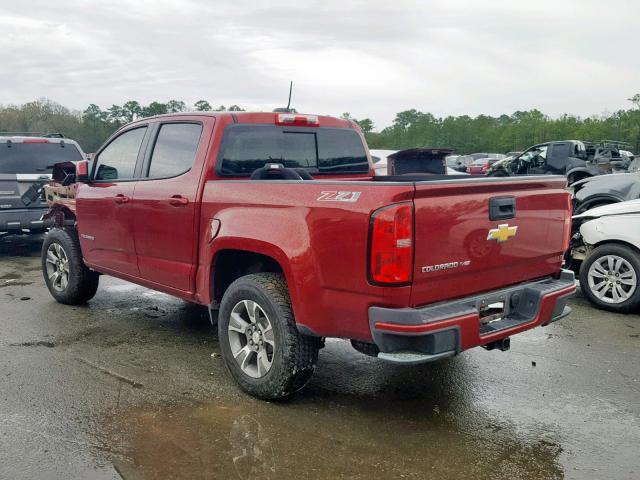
{"x": 460, "y": 250}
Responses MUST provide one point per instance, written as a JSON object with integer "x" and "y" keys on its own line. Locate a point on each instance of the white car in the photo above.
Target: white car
{"x": 379, "y": 158}
{"x": 609, "y": 245}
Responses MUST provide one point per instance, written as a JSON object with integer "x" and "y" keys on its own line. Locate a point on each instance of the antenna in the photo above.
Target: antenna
{"x": 288, "y": 108}
{"x": 290, "y": 88}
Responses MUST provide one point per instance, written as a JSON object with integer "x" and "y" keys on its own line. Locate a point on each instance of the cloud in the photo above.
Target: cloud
{"x": 371, "y": 58}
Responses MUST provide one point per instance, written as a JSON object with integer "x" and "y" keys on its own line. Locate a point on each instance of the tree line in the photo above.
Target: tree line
{"x": 521, "y": 129}
{"x": 92, "y": 126}
{"x": 410, "y": 128}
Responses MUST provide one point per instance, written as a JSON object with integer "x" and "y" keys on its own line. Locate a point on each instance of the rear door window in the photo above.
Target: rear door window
{"x": 35, "y": 157}
{"x": 118, "y": 159}
{"x": 246, "y": 148}
{"x": 175, "y": 149}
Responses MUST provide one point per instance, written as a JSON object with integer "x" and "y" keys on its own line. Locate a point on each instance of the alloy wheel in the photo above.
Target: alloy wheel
{"x": 57, "y": 267}
{"x": 612, "y": 279}
{"x": 251, "y": 338}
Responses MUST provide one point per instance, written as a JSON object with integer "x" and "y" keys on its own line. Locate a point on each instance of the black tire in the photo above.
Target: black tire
{"x": 294, "y": 356}
{"x": 632, "y": 258}
{"x": 82, "y": 283}
{"x": 498, "y": 173}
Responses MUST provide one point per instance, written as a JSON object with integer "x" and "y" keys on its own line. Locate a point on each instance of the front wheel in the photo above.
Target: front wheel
{"x": 261, "y": 347}
{"x": 68, "y": 279}
{"x": 609, "y": 278}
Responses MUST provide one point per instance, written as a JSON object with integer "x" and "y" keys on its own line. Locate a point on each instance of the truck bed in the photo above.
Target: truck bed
{"x": 319, "y": 231}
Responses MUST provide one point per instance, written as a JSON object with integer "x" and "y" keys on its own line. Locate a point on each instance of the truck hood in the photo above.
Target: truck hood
{"x": 622, "y": 208}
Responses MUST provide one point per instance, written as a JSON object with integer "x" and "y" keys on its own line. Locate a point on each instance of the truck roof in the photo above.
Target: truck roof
{"x": 36, "y": 139}
{"x": 256, "y": 117}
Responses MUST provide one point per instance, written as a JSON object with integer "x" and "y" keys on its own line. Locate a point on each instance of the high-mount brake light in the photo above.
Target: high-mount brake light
{"x": 35, "y": 140}
{"x": 297, "y": 119}
{"x": 391, "y": 245}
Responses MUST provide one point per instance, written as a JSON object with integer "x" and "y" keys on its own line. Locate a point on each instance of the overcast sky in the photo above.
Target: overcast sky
{"x": 370, "y": 58}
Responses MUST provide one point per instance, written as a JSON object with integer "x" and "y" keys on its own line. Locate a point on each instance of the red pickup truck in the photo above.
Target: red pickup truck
{"x": 277, "y": 220}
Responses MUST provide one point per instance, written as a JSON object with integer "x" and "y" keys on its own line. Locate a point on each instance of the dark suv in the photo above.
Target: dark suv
{"x": 25, "y": 166}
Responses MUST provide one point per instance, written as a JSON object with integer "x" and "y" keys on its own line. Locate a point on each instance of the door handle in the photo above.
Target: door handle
{"x": 120, "y": 198}
{"x": 178, "y": 200}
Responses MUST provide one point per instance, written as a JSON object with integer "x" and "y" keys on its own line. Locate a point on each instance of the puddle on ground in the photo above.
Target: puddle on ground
{"x": 363, "y": 439}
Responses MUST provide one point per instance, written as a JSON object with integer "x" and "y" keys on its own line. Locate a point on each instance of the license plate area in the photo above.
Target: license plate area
{"x": 491, "y": 313}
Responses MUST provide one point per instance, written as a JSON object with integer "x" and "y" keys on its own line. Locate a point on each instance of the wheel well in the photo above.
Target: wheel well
{"x": 229, "y": 265}
{"x": 618, "y": 242}
{"x": 61, "y": 215}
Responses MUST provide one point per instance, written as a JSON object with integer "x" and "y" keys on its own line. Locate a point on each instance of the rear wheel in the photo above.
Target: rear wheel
{"x": 260, "y": 344}
{"x": 609, "y": 278}
{"x": 68, "y": 279}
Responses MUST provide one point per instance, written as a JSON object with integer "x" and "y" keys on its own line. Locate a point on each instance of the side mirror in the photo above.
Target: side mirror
{"x": 82, "y": 171}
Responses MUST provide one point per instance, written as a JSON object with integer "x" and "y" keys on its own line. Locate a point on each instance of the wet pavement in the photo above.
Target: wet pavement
{"x": 127, "y": 387}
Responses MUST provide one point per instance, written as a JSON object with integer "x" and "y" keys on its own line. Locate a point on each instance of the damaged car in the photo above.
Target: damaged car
{"x": 607, "y": 243}
{"x": 575, "y": 159}
{"x": 604, "y": 190}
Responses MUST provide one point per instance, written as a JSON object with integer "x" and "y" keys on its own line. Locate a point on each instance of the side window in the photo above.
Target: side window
{"x": 175, "y": 149}
{"x": 118, "y": 160}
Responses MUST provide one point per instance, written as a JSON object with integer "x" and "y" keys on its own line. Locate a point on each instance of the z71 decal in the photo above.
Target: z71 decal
{"x": 339, "y": 196}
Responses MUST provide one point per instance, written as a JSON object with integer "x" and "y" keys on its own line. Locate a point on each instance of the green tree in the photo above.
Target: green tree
{"x": 202, "y": 106}
{"x": 366, "y": 125}
{"x": 131, "y": 110}
{"x": 154, "y": 108}
{"x": 116, "y": 114}
{"x": 175, "y": 106}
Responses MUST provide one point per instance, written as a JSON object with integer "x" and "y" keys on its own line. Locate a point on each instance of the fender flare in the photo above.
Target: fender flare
{"x": 204, "y": 276}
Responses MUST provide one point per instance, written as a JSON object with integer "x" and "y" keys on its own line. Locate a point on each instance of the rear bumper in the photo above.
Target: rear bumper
{"x": 418, "y": 335}
{"x": 22, "y": 219}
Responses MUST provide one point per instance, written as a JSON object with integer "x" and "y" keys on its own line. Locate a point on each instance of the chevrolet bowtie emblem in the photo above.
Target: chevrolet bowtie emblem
{"x": 502, "y": 233}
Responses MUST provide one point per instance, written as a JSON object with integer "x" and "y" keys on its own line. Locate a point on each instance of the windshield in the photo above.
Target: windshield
{"x": 35, "y": 157}
{"x": 246, "y": 148}
{"x": 480, "y": 161}
{"x": 534, "y": 153}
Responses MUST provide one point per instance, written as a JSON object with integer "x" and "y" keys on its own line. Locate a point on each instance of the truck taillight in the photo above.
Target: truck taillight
{"x": 566, "y": 243}
{"x": 391, "y": 245}
{"x": 297, "y": 119}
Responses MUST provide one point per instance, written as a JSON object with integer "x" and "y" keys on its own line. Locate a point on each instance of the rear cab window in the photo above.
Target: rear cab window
{"x": 174, "y": 150}
{"x": 35, "y": 156}
{"x": 331, "y": 151}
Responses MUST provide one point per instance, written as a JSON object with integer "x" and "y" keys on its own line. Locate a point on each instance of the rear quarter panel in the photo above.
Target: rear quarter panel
{"x": 320, "y": 244}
